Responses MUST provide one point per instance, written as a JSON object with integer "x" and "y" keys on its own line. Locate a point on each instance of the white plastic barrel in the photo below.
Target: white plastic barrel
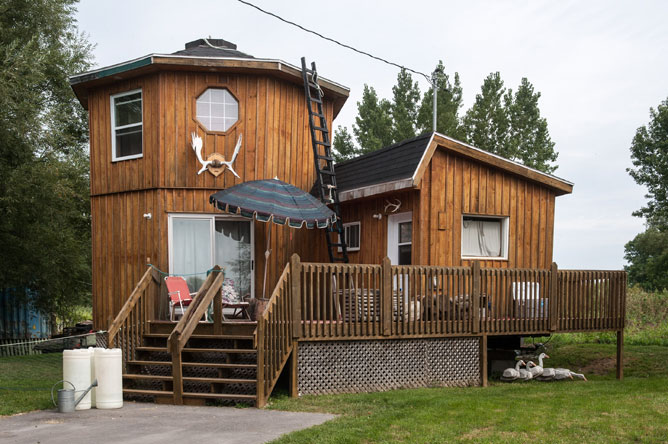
{"x": 109, "y": 374}
{"x": 76, "y": 369}
{"x": 91, "y": 350}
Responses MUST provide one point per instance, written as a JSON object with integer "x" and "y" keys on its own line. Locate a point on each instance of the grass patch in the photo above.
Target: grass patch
{"x": 26, "y": 381}
{"x": 602, "y": 410}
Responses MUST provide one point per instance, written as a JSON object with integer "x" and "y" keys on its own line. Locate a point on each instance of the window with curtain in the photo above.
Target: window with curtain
{"x": 484, "y": 237}
{"x": 191, "y": 249}
{"x": 198, "y": 242}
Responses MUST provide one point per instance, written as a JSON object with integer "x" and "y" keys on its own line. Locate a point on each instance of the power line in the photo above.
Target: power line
{"x": 336, "y": 41}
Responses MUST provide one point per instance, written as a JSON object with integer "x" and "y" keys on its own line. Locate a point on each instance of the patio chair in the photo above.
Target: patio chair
{"x": 231, "y": 300}
{"x": 180, "y": 296}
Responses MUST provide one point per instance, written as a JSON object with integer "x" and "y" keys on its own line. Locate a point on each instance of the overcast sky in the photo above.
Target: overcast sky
{"x": 600, "y": 66}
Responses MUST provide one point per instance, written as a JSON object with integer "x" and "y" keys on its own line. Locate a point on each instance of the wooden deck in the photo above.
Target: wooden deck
{"x": 342, "y": 302}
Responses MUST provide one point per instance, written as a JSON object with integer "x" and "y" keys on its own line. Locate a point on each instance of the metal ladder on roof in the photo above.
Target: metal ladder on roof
{"x": 324, "y": 162}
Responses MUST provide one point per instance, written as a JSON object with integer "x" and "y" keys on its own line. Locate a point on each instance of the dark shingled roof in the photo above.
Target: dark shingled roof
{"x": 395, "y": 162}
{"x": 199, "y": 48}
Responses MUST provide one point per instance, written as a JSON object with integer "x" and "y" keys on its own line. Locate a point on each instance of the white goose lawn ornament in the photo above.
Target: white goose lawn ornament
{"x": 215, "y": 160}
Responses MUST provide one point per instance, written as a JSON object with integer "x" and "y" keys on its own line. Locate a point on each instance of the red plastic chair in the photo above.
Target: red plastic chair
{"x": 179, "y": 294}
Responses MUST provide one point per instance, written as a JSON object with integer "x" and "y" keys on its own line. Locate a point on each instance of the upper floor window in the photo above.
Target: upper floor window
{"x": 126, "y": 125}
{"x": 217, "y": 109}
{"x": 485, "y": 237}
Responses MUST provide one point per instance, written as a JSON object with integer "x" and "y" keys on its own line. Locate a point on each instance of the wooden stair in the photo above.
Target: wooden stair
{"x": 220, "y": 368}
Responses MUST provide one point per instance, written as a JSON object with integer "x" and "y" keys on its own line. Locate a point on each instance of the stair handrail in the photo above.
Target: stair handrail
{"x": 178, "y": 338}
{"x": 131, "y": 304}
{"x": 274, "y": 333}
{"x": 200, "y": 304}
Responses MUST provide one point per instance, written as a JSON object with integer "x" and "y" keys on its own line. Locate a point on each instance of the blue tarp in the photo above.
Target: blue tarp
{"x": 18, "y": 317}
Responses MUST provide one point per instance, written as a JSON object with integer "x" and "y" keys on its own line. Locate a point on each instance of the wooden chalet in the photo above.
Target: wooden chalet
{"x": 447, "y": 247}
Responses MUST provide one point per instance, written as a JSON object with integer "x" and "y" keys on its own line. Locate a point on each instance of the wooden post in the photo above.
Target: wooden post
{"x": 259, "y": 390}
{"x": 386, "y": 295}
{"x": 296, "y": 293}
{"x": 554, "y": 297}
{"x": 475, "y": 296}
{"x": 483, "y": 360}
{"x": 620, "y": 354}
{"x": 218, "y": 313}
{"x": 177, "y": 371}
{"x": 294, "y": 370}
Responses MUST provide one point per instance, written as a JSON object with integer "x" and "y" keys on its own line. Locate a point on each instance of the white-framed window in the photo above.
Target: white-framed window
{"x": 126, "y": 125}
{"x": 484, "y": 237}
{"x": 217, "y": 109}
{"x": 352, "y": 235}
{"x": 197, "y": 242}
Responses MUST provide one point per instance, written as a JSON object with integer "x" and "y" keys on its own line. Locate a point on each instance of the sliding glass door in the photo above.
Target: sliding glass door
{"x": 198, "y": 242}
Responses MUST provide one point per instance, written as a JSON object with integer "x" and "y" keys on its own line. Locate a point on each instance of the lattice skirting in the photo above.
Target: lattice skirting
{"x": 378, "y": 365}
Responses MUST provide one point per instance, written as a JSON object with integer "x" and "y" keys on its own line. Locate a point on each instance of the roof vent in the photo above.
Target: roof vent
{"x": 220, "y": 43}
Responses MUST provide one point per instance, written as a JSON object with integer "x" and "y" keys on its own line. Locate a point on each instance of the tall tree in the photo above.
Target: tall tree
{"x": 404, "y": 108}
{"x": 373, "y": 124}
{"x": 528, "y": 138}
{"x": 45, "y": 228}
{"x": 344, "y": 147}
{"x": 486, "y": 123}
{"x": 449, "y": 102}
{"x": 649, "y": 154}
{"x": 647, "y": 253}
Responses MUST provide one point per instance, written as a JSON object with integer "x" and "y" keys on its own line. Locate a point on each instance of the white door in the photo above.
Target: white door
{"x": 400, "y": 248}
{"x": 399, "y": 238}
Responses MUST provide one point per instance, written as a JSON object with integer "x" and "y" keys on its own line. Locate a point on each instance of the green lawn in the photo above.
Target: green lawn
{"x": 602, "y": 410}
{"x": 25, "y": 382}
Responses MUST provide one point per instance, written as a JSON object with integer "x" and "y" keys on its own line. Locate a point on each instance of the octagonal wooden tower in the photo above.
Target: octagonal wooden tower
{"x": 146, "y": 193}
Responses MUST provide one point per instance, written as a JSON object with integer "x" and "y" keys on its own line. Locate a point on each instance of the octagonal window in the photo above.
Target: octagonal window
{"x": 217, "y": 109}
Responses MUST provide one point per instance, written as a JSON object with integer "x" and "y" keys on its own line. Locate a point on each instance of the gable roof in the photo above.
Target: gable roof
{"x": 389, "y": 164}
{"x": 200, "y": 56}
{"x": 402, "y": 165}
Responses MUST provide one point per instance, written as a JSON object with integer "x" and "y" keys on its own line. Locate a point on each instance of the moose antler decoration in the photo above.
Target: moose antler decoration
{"x": 215, "y": 163}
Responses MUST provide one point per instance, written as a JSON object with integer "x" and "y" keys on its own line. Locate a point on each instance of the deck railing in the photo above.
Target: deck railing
{"x": 127, "y": 329}
{"x": 591, "y": 300}
{"x": 274, "y": 336}
{"x": 356, "y": 301}
{"x": 209, "y": 292}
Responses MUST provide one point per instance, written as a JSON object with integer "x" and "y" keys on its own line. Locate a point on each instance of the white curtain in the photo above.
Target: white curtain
{"x": 481, "y": 238}
{"x": 191, "y": 249}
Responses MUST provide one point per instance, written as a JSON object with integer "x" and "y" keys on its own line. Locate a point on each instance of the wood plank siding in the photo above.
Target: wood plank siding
{"x": 455, "y": 186}
{"x": 451, "y": 186}
{"x": 276, "y": 142}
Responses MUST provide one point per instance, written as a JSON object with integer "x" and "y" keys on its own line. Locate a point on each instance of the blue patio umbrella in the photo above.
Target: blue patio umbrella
{"x": 276, "y": 201}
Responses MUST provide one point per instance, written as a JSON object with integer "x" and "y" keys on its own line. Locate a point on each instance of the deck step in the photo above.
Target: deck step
{"x": 190, "y": 379}
{"x": 220, "y": 380}
{"x": 195, "y": 364}
{"x": 218, "y": 396}
{"x": 218, "y": 350}
{"x": 217, "y": 365}
{"x": 153, "y": 349}
{"x": 148, "y": 392}
{"x": 196, "y": 336}
{"x": 146, "y": 377}
{"x": 149, "y": 362}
